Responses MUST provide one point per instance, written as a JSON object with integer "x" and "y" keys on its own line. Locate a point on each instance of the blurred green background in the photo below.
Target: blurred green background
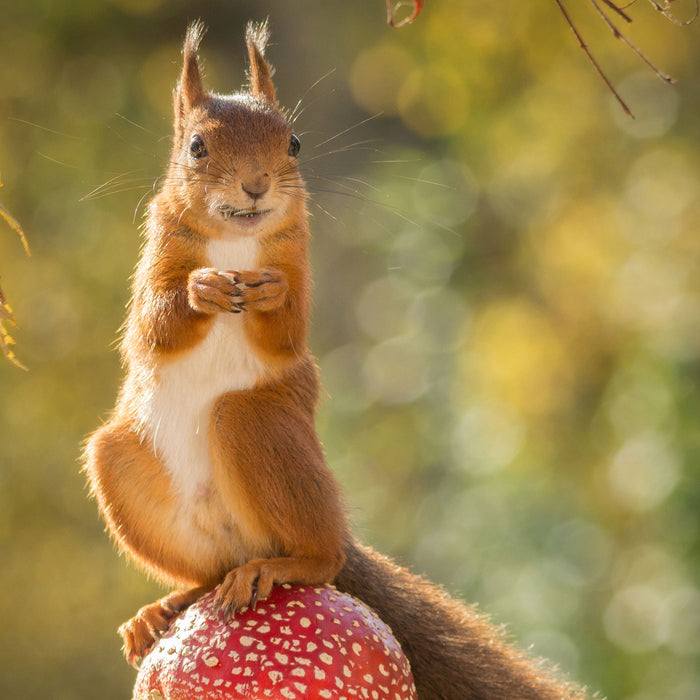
{"x": 506, "y": 312}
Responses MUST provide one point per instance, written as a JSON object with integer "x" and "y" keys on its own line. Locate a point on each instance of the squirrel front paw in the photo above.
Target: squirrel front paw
{"x": 262, "y": 290}
{"x": 210, "y": 291}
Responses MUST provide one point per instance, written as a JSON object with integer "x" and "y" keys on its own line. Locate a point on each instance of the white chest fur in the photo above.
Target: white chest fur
{"x": 179, "y": 409}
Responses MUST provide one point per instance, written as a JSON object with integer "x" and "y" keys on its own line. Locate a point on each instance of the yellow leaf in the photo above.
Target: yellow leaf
{"x": 16, "y": 226}
{"x": 6, "y": 313}
{"x": 5, "y": 341}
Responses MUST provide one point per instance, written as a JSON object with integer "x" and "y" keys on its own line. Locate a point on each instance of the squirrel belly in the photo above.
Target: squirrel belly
{"x": 175, "y": 414}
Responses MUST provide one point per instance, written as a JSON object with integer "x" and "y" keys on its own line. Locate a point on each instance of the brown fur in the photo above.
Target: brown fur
{"x": 267, "y": 509}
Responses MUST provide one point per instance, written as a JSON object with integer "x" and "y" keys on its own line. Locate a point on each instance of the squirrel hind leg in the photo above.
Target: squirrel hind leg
{"x": 142, "y": 631}
{"x": 273, "y": 477}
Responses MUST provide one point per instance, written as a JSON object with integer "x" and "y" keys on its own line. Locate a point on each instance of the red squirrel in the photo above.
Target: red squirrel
{"x": 209, "y": 471}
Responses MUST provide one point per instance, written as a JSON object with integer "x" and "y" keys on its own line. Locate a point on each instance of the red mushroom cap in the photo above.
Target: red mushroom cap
{"x": 300, "y": 643}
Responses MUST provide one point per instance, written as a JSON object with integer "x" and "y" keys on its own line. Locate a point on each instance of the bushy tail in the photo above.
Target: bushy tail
{"x": 455, "y": 653}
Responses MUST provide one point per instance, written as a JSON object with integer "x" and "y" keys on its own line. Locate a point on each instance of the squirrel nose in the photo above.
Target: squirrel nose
{"x": 256, "y": 187}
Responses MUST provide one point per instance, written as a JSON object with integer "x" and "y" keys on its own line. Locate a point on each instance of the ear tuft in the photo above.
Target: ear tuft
{"x": 190, "y": 90}
{"x": 257, "y": 35}
{"x": 193, "y": 38}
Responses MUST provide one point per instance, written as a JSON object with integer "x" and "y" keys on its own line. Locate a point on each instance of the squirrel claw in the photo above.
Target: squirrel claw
{"x": 265, "y": 277}
{"x": 231, "y": 276}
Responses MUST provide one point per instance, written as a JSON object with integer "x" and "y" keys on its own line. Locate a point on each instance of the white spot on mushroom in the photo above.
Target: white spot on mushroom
{"x": 319, "y": 674}
{"x": 246, "y": 641}
{"x": 211, "y": 661}
{"x": 275, "y": 676}
{"x": 311, "y": 647}
{"x": 282, "y": 658}
{"x": 305, "y": 622}
{"x": 326, "y": 658}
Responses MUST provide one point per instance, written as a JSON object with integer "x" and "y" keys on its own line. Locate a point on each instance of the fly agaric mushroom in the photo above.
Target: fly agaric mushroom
{"x": 301, "y": 643}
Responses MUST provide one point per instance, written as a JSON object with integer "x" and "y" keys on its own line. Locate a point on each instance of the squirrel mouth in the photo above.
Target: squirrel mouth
{"x": 228, "y": 212}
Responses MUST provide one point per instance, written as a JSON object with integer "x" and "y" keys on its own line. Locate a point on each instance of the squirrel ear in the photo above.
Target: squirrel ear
{"x": 261, "y": 71}
{"x": 190, "y": 90}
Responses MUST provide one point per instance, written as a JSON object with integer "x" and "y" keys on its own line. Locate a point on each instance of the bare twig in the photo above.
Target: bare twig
{"x": 619, "y": 35}
{"x": 602, "y": 7}
{"x": 665, "y": 9}
{"x": 592, "y": 59}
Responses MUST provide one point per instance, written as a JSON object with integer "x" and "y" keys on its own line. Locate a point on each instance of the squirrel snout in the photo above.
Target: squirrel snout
{"x": 256, "y": 187}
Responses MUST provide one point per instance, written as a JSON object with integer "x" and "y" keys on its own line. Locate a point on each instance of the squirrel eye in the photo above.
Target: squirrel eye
{"x": 294, "y": 146}
{"x": 197, "y": 147}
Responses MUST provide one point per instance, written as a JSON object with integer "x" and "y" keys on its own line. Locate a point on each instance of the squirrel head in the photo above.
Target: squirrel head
{"x": 233, "y": 166}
